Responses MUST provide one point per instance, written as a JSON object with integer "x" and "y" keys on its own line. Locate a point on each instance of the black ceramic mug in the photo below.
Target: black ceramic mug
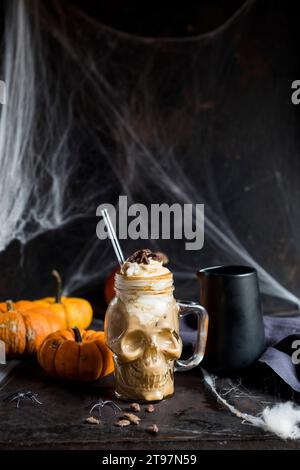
{"x": 236, "y": 335}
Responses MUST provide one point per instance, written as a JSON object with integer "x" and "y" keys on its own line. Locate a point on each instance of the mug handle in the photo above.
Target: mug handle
{"x": 187, "y": 308}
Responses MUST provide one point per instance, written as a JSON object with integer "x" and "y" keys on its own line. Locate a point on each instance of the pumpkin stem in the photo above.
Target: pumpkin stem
{"x": 77, "y": 334}
{"x": 9, "y": 305}
{"x": 58, "y": 294}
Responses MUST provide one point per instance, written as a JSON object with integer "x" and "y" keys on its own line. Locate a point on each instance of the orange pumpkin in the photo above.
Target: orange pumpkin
{"x": 72, "y": 310}
{"x": 24, "y": 327}
{"x": 75, "y": 354}
{"x": 109, "y": 286}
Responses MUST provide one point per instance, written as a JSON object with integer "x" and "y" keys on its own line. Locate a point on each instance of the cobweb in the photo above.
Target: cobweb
{"x": 281, "y": 418}
{"x": 93, "y": 113}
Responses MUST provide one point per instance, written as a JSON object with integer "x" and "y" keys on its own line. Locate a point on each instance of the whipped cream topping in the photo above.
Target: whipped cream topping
{"x": 154, "y": 268}
{"x": 135, "y": 278}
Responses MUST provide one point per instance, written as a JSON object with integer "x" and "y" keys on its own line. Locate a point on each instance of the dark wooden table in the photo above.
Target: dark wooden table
{"x": 192, "y": 419}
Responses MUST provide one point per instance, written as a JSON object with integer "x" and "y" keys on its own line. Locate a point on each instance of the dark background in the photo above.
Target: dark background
{"x": 215, "y": 114}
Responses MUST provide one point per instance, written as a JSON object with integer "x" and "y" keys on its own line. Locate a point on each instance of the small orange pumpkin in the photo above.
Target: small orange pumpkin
{"x": 77, "y": 355}
{"x": 73, "y": 310}
{"x": 24, "y": 327}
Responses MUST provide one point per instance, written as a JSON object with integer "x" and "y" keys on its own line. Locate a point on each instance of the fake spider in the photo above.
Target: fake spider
{"x": 18, "y": 396}
{"x": 101, "y": 404}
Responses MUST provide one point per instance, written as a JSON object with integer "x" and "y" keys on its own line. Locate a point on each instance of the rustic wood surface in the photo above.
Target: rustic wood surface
{"x": 191, "y": 419}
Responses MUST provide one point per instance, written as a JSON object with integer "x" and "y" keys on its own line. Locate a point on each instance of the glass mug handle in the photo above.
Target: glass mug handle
{"x": 187, "y": 308}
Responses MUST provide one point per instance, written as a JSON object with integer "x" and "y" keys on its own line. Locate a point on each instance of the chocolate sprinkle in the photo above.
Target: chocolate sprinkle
{"x": 122, "y": 423}
{"x": 135, "y": 407}
{"x": 92, "y": 420}
{"x": 132, "y": 418}
{"x": 143, "y": 256}
{"x": 153, "y": 429}
{"x": 150, "y": 408}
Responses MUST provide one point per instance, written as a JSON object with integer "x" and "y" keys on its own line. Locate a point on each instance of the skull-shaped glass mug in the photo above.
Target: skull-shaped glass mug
{"x": 142, "y": 330}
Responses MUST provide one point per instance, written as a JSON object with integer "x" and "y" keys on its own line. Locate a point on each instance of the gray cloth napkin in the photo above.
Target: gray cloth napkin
{"x": 280, "y": 334}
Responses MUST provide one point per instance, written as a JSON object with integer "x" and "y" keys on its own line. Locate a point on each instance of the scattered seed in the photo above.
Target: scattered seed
{"x": 122, "y": 423}
{"x": 132, "y": 418}
{"x": 92, "y": 420}
{"x": 135, "y": 407}
{"x": 150, "y": 408}
{"x": 153, "y": 429}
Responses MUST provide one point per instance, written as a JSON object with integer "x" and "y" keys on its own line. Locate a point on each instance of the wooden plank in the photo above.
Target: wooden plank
{"x": 191, "y": 419}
